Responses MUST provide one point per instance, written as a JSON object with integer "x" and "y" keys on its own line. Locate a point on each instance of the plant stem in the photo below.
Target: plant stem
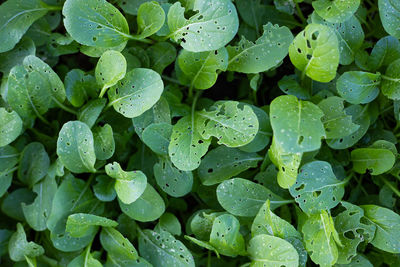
{"x": 65, "y": 108}
{"x": 146, "y": 41}
{"x": 171, "y": 79}
{"x": 391, "y": 186}
{"x": 390, "y": 78}
{"x": 196, "y": 97}
{"x": 300, "y": 13}
{"x": 103, "y": 91}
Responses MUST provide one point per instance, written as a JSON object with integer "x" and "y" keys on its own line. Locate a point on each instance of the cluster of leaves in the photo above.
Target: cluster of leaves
{"x": 199, "y": 133}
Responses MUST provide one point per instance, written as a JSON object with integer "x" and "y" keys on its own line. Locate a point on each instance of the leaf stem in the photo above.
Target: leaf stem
{"x": 171, "y": 79}
{"x": 390, "y": 78}
{"x": 65, "y": 108}
{"x": 146, "y": 41}
{"x": 196, "y": 97}
{"x": 300, "y": 14}
{"x": 391, "y": 186}
{"x": 87, "y": 185}
{"x": 103, "y": 91}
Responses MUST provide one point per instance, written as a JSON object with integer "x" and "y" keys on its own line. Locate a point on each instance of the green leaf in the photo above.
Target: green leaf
{"x": 110, "y": 68}
{"x": 171, "y": 180}
{"x": 336, "y": 122}
{"x": 34, "y": 164}
{"x": 273, "y": 250}
{"x": 9, "y": 59}
{"x": 266, "y": 222}
{"x": 80, "y": 224}
{"x": 201, "y": 67}
{"x": 337, "y": 10}
{"x": 33, "y": 88}
{"x": 37, "y": 213}
{"x": 150, "y": 18}
{"x": 116, "y": 245}
{"x": 170, "y": 223}
{"x": 360, "y": 117}
{"x": 187, "y": 146}
{"x": 75, "y": 147}
{"x": 95, "y": 23}
{"x": 315, "y": 52}
{"x": 85, "y": 259}
{"x": 148, "y": 207}
{"x": 374, "y": 160}
{"x": 157, "y": 137}
{"x": 215, "y": 25}
{"x": 19, "y": 247}
{"x": 358, "y": 87}
{"x": 202, "y": 244}
{"x": 296, "y": 124}
{"x": 391, "y": 81}
{"x": 286, "y": 162}
{"x": 128, "y": 185}
{"x": 16, "y": 18}
{"x": 90, "y": 112}
{"x": 389, "y": 14}
{"x": 12, "y": 203}
{"x": 225, "y": 236}
{"x": 136, "y": 93}
{"x": 104, "y": 144}
{"x": 358, "y": 261}
{"x": 9, "y": 158}
{"x": 349, "y": 33}
{"x": 385, "y": 51}
{"x": 162, "y": 249}
{"x": 317, "y": 187}
{"x": 320, "y": 239}
{"x": 242, "y": 197}
{"x": 72, "y": 196}
{"x": 352, "y": 231}
{"x": 387, "y": 225}
{"x": 132, "y": 7}
{"x": 10, "y": 128}
{"x": 232, "y": 124}
{"x": 223, "y": 163}
{"x": 161, "y": 55}
{"x": 104, "y": 188}
{"x": 267, "y": 51}
{"x": 79, "y": 86}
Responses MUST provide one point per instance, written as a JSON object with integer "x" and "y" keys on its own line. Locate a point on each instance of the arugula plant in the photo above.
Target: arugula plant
{"x": 199, "y": 133}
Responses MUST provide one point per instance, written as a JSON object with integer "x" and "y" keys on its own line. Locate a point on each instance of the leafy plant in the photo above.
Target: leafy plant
{"x": 199, "y": 133}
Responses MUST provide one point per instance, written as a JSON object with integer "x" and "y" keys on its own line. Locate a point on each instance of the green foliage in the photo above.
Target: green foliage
{"x": 199, "y": 133}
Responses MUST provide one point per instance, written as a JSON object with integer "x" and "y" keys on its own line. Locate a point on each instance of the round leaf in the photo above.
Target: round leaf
{"x": 391, "y": 81}
{"x": 10, "y": 128}
{"x": 34, "y": 164}
{"x": 110, "y": 68}
{"x": 390, "y": 16}
{"x": 375, "y": 160}
{"x": 337, "y": 10}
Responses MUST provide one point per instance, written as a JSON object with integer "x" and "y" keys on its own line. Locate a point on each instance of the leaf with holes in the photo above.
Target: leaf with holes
{"x": 315, "y": 52}
{"x": 390, "y": 84}
{"x": 110, "y": 68}
{"x": 128, "y": 185}
{"x": 162, "y": 249}
{"x": 16, "y": 18}
{"x": 116, "y": 245}
{"x": 231, "y": 124}
{"x": 10, "y": 128}
{"x": 337, "y": 10}
{"x": 33, "y": 88}
{"x": 358, "y": 87}
{"x": 201, "y": 67}
{"x": 387, "y": 224}
{"x": 187, "y": 146}
{"x": 352, "y": 230}
{"x": 223, "y": 163}
{"x": 321, "y": 239}
{"x": 79, "y": 224}
{"x": 374, "y": 160}
{"x": 172, "y": 181}
{"x": 95, "y": 23}
{"x": 225, "y": 236}
{"x": 389, "y": 12}
{"x": 349, "y": 33}
{"x": 136, "y": 93}
{"x": 274, "y": 250}
{"x": 157, "y": 137}
{"x": 242, "y": 197}
{"x": 19, "y": 247}
{"x": 75, "y": 147}
{"x": 267, "y": 51}
{"x": 104, "y": 144}
{"x": 9, "y": 59}
{"x": 336, "y": 122}
{"x": 296, "y": 124}
{"x": 317, "y": 187}
{"x": 148, "y": 207}
{"x": 215, "y": 25}
{"x": 268, "y": 223}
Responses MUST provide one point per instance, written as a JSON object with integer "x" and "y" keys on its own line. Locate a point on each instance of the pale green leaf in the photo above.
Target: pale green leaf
{"x": 10, "y": 128}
